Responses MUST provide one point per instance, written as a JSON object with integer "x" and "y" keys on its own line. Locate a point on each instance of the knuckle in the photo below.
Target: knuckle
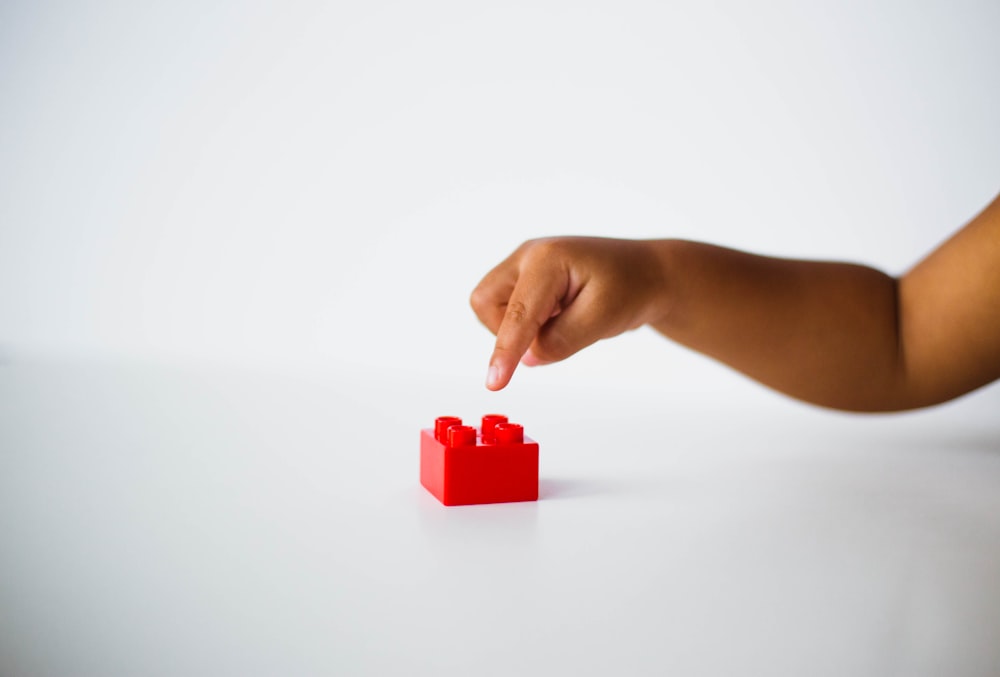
{"x": 478, "y": 298}
{"x": 529, "y": 245}
{"x": 501, "y": 347}
{"x": 543, "y": 249}
{"x": 516, "y": 313}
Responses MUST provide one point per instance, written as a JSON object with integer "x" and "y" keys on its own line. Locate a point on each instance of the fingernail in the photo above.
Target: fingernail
{"x": 492, "y": 376}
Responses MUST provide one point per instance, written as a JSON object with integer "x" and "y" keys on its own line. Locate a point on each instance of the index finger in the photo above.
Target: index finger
{"x": 536, "y": 297}
{"x": 489, "y": 298}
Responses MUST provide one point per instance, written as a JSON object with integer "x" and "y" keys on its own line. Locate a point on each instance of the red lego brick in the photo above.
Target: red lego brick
{"x": 462, "y": 465}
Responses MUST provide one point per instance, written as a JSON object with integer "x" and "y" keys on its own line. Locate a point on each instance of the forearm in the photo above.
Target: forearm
{"x": 826, "y": 333}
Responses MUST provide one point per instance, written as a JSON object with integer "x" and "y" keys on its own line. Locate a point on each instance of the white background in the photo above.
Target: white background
{"x": 313, "y": 184}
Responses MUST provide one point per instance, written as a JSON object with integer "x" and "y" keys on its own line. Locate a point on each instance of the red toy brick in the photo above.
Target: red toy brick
{"x": 461, "y": 465}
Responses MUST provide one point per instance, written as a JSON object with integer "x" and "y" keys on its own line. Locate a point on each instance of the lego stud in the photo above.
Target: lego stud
{"x": 509, "y": 433}
{"x": 490, "y": 422}
{"x": 461, "y": 436}
{"x": 441, "y": 425}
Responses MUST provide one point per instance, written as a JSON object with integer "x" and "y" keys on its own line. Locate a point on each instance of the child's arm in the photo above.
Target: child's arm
{"x": 835, "y": 334}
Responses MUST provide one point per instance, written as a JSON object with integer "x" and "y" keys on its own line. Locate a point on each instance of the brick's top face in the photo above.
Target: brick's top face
{"x": 495, "y": 429}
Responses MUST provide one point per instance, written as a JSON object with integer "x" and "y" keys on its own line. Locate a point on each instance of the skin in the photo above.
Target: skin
{"x": 837, "y": 335}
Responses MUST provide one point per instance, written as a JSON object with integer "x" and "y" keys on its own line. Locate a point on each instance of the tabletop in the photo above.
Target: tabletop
{"x": 171, "y": 519}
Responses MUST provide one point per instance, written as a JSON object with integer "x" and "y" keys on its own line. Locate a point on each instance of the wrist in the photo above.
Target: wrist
{"x": 665, "y": 264}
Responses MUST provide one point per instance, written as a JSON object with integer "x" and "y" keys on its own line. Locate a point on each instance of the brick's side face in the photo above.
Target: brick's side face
{"x": 492, "y": 473}
{"x": 432, "y": 470}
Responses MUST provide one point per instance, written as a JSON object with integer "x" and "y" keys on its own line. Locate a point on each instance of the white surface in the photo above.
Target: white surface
{"x": 171, "y": 520}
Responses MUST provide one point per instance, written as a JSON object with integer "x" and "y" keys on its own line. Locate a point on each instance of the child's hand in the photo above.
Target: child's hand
{"x": 840, "y": 335}
{"x": 552, "y": 297}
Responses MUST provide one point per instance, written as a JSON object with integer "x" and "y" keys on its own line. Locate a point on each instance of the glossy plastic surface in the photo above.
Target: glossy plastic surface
{"x": 463, "y": 465}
